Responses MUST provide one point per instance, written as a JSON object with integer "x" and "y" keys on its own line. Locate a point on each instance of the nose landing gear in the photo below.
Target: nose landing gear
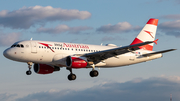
{"x": 28, "y": 72}
{"x": 29, "y": 66}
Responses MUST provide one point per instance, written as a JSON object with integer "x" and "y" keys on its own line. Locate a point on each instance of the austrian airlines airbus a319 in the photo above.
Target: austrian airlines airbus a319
{"x": 48, "y": 57}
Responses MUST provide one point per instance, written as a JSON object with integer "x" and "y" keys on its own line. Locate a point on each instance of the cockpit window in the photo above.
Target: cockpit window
{"x": 13, "y": 46}
{"x": 18, "y": 45}
{"x": 22, "y": 46}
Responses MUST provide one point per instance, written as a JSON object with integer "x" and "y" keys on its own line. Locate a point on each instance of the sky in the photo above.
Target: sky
{"x": 91, "y": 22}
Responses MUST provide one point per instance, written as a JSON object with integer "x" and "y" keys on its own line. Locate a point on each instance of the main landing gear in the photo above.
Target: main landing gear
{"x": 29, "y": 66}
{"x": 94, "y": 73}
{"x": 71, "y": 76}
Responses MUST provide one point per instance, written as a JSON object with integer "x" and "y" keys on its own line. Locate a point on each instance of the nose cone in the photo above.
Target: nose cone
{"x": 12, "y": 54}
{"x": 7, "y": 53}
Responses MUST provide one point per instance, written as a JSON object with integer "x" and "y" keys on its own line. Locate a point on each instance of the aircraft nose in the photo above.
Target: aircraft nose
{"x": 7, "y": 53}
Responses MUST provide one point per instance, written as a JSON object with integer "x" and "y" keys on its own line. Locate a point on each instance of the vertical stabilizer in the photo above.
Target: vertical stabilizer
{"x": 148, "y": 33}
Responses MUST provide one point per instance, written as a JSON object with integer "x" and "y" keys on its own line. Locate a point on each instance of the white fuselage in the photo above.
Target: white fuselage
{"x": 38, "y": 52}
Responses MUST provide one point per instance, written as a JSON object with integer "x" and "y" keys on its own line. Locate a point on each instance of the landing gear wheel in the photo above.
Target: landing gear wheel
{"x": 28, "y": 72}
{"x": 94, "y": 73}
{"x": 71, "y": 77}
{"x": 29, "y": 66}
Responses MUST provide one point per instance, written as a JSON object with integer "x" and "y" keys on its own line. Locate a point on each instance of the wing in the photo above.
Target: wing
{"x": 102, "y": 55}
{"x": 164, "y": 51}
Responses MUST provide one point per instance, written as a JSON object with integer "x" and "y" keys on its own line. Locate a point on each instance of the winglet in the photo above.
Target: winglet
{"x": 155, "y": 41}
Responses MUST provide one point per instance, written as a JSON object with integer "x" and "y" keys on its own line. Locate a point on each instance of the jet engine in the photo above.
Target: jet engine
{"x": 76, "y": 62}
{"x": 45, "y": 69}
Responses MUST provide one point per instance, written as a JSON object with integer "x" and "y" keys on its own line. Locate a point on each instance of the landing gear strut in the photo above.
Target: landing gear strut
{"x": 94, "y": 73}
{"x": 29, "y": 66}
{"x": 71, "y": 76}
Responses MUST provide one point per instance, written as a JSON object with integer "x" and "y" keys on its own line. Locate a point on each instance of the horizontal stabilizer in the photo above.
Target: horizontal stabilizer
{"x": 164, "y": 51}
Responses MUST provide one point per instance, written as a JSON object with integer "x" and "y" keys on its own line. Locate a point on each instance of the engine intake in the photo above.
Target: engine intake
{"x": 75, "y": 62}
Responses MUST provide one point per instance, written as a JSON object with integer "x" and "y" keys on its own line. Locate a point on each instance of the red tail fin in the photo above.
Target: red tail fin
{"x": 148, "y": 33}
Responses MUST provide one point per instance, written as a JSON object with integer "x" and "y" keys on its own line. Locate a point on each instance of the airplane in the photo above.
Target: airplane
{"x": 49, "y": 57}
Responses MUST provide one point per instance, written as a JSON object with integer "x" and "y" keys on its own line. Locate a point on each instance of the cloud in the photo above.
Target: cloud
{"x": 7, "y": 39}
{"x": 26, "y": 17}
{"x": 152, "y": 89}
{"x": 172, "y": 78}
{"x": 117, "y": 28}
{"x": 7, "y": 97}
{"x": 173, "y": 33}
{"x": 171, "y": 27}
{"x": 63, "y": 28}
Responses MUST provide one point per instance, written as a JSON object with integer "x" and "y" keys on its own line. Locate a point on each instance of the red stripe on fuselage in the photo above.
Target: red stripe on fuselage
{"x": 145, "y": 47}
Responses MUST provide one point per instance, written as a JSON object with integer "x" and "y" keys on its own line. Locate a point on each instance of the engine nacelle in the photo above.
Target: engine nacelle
{"x": 60, "y": 59}
{"x": 75, "y": 62}
{"x": 44, "y": 69}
